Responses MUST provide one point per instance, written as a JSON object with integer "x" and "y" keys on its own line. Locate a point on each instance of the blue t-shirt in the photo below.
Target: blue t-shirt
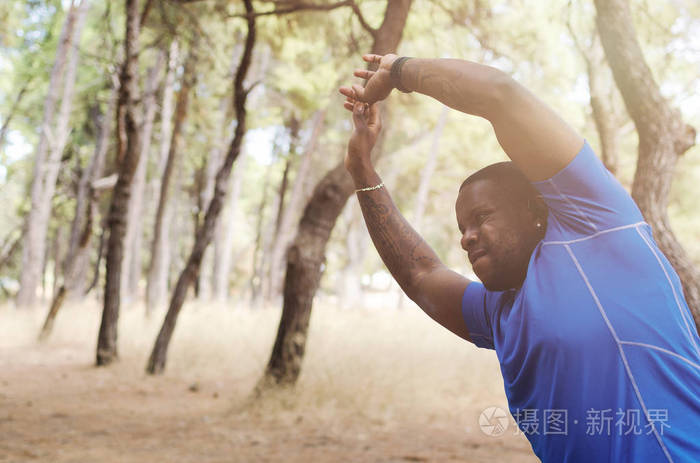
{"x": 599, "y": 353}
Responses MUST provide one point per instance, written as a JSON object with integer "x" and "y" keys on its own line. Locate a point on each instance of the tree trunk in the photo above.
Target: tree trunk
{"x": 273, "y": 233}
{"x": 52, "y": 139}
{"x": 100, "y": 254}
{"x": 56, "y": 252}
{"x": 291, "y": 211}
{"x": 663, "y": 136}
{"x": 69, "y": 281}
{"x": 157, "y": 284}
{"x": 212, "y": 284}
{"x": 77, "y": 258}
{"x": 166, "y": 115}
{"x": 282, "y": 192}
{"x": 260, "y": 245}
{"x": 128, "y": 145}
{"x": 166, "y": 112}
{"x": 156, "y": 362}
{"x": 357, "y": 243}
{"x": 603, "y": 97}
{"x": 131, "y": 273}
{"x": 604, "y": 114}
{"x": 196, "y": 191}
{"x": 223, "y": 237}
{"x": 82, "y": 259}
{"x": 307, "y": 253}
{"x": 81, "y": 196}
{"x": 213, "y": 164}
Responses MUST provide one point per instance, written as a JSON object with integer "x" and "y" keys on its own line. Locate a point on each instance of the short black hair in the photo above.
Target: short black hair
{"x": 511, "y": 179}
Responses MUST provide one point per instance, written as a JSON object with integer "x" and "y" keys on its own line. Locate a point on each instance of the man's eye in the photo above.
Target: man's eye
{"x": 481, "y": 217}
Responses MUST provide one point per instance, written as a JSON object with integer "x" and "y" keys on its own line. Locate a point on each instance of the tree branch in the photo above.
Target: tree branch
{"x": 356, "y": 9}
{"x": 13, "y": 110}
{"x": 10, "y": 245}
{"x": 252, "y": 86}
{"x": 583, "y": 51}
{"x": 200, "y": 31}
{"x": 472, "y": 25}
{"x": 294, "y": 8}
{"x": 145, "y": 11}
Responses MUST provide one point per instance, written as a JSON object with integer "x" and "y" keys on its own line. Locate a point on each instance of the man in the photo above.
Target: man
{"x": 598, "y": 350}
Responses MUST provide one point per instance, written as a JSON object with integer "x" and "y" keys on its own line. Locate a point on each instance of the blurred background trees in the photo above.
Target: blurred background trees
{"x": 113, "y": 140}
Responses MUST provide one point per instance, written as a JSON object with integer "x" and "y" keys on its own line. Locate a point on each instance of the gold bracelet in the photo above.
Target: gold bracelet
{"x": 370, "y": 188}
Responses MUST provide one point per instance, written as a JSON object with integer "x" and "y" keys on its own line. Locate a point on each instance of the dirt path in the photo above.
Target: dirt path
{"x": 56, "y": 407}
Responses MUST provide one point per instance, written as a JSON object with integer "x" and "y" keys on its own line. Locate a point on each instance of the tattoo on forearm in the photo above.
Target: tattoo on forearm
{"x": 401, "y": 248}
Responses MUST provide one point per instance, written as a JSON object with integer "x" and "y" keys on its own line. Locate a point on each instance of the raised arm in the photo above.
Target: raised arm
{"x": 412, "y": 263}
{"x": 529, "y": 131}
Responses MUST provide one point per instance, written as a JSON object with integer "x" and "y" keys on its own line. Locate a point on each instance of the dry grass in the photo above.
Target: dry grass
{"x": 364, "y": 369}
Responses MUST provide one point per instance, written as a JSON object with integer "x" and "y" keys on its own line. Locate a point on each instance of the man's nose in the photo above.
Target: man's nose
{"x": 469, "y": 238}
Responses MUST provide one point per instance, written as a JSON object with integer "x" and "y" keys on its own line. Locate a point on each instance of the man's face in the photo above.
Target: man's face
{"x": 498, "y": 234}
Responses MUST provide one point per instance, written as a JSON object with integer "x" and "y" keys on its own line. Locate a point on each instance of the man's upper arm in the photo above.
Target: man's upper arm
{"x": 539, "y": 141}
{"x": 583, "y": 197}
{"x": 439, "y": 293}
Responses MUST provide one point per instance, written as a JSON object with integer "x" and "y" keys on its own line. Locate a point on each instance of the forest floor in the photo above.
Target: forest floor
{"x": 377, "y": 386}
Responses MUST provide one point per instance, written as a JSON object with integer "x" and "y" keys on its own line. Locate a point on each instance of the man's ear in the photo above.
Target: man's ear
{"x": 539, "y": 209}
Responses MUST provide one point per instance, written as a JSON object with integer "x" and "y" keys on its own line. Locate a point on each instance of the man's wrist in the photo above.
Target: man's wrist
{"x": 395, "y": 74}
{"x": 409, "y": 74}
{"x": 364, "y": 175}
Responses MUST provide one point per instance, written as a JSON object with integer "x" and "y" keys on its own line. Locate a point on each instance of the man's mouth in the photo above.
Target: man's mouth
{"x": 476, "y": 255}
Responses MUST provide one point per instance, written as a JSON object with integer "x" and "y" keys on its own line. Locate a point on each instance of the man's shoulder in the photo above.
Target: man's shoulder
{"x": 585, "y": 198}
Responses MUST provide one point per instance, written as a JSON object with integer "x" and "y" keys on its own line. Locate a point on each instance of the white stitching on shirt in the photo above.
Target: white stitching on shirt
{"x": 650, "y": 346}
{"x": 673, "y": 288}
{"x": 602, "y": 232}
{"x": 568, "y": 200}
{"x": 619, "y": 347}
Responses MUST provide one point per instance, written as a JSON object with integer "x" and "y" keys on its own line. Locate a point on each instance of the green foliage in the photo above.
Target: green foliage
{"x": 300, "y": 59}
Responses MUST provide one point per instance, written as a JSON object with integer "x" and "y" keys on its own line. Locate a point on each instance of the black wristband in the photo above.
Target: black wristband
{"x": 395, "y": 73}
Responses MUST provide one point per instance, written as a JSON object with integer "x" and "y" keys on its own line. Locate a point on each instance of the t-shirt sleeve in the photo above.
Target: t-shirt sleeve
{"x": 585, "y": 198}
{"x": 479, "y": 310}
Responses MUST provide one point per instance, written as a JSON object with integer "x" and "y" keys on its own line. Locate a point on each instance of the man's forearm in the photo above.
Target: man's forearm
{"x": 469, "y": 87}
{"x": 404, "y": 252}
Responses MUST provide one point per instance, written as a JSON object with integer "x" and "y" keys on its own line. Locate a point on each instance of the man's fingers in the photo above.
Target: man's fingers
{"x": 360, "y": 113}
{"x": 370, "y": 58}
{"x": 359, "y": 92}
{"x": 363, "y": 73}
{"x": 349, "y": 95}
{"x": 347, "y": 91}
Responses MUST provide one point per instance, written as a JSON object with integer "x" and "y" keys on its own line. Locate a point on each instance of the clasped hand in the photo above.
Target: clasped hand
{"x": 362, "y": 102}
